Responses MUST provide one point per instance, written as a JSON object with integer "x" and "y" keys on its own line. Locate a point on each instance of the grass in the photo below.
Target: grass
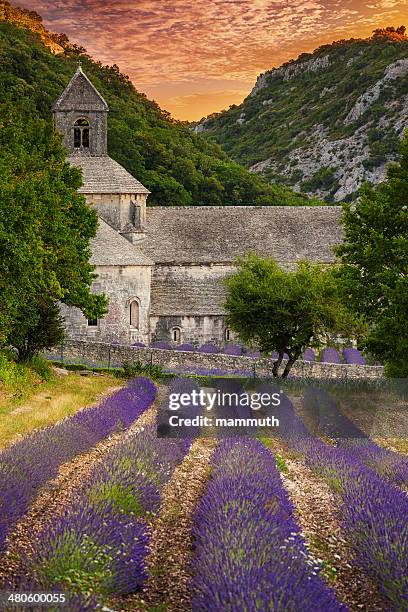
{"x": 28, "y": 401}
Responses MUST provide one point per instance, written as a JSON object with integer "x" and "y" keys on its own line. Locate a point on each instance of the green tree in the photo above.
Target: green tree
{"x": 41, "y": 328}
{"x": 45, "y": 229}
{"x": 285, "y": 311}
{"x": 375, "y": 264}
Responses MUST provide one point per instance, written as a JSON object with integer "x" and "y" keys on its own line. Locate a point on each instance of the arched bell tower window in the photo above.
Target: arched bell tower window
{"x": 81, "y": 134}
{"x": 134, "y": 314}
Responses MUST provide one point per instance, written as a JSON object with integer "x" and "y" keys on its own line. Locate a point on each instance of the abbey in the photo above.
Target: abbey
{"x": 162, "y": 267}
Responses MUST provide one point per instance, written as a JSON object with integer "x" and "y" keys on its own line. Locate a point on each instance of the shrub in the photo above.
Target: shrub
{"x": 130, "y": 370}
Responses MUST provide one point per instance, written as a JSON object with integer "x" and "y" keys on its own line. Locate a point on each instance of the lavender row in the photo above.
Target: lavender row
{"x": 374, "y": 517}
{"x": 100, "y": 545}
{"x": 373, "y": 511}
{"x": 26, "y": 466}
{"x": 333, "y": 423}
{"x": 249, "y": 552}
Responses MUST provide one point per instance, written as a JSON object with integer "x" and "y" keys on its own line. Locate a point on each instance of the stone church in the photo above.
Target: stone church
{"x": 162, "y": 267}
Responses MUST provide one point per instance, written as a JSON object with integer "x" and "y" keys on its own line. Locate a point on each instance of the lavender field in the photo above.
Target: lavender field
{"x": 101, "y": 509}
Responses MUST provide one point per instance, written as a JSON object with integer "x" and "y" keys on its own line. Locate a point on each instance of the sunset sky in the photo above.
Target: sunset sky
{"x": 195, "y": 57}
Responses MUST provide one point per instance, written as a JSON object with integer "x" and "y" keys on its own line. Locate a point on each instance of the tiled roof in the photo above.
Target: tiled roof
{"x": 80, "y": 95}
{"x": 205, "y": 234}
{"x": 111, "y": 249}
{"x": 104, "y": 175}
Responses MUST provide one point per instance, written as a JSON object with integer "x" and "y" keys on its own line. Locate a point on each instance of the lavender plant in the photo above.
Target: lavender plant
{"x": 373, "y": 511}
{"x": 309, "y": 355}
{"x": 333, "y": 423}
{"x": 162, "y": 345}
{"x": 184, "y": 347}
{"x": 26, "y": 466}
{"x": 330, "y": 355}
{"x": 374, "y": 516}
{"x": 100, "y": 545}
{"x": 233, "y": 349}
{"x": 209, "y": 348}
{"x": 353, "y": 356}
{"x": 249, "y": 553}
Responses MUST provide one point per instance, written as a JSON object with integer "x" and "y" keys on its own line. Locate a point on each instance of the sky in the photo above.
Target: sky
{"x": 196, "y": 57}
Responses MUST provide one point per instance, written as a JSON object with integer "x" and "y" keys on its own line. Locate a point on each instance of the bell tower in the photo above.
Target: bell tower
{"x": 80, "y": 114}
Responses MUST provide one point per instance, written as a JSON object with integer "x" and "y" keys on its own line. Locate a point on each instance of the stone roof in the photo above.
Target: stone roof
{"x": 110, "y": 249}
{"x": 205, "y": 234}
{"x": 175, "y": 293}
{"x": 80, "y": 95}
{"x": 104, "y": 175}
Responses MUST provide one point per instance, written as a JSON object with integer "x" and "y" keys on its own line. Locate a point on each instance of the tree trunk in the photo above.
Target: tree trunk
{"x": 276, "y": 365}
{"x": 290, "y": 362}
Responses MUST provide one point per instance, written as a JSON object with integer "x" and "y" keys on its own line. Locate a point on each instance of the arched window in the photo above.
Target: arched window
{"x": 81, "y": 133}
{"x": 227, "y": 334}
{"x": 134, "y": 314}
{"x": 176, "y": 334}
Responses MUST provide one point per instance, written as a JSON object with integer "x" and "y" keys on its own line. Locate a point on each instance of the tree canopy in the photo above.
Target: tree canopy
{"x": 285, "y": 311}
{"x": 374, "y": 255}
{"x": 45, "y": 230}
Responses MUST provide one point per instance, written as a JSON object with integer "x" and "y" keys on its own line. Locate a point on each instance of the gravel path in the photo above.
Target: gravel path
{"x": 59, "y": 493}
{"x": 172, "y": 543}
{"x": 316, "y": 511}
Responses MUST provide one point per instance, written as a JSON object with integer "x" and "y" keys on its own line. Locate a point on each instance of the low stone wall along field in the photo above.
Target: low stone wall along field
{"x": 99, "y": 354}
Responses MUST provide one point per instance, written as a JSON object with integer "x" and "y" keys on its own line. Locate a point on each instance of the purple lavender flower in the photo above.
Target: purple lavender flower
{"x": 184, "y": 347}
{"x": 233, "y": 349}
{"x": 330, "y": 355}
{"x": 249, "y": 553}
{"x": 100, "y": 544}
{"x": 255, "y": 353}
{"x": 322, "y": 407}
{"x": 27, "y": 465}
{"x": 161, "y": 344}
{"x": 353, "y": 356}
{"x": 209, "y": 348}
{"x": 309, "y": 355}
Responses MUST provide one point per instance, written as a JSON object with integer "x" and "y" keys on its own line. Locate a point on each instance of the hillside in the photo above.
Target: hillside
{"x": 325, "y": 122}
{"x": 177, "y": 166}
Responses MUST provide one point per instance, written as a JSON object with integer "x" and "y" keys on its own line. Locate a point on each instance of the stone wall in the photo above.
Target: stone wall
{"x": 121, "y": 285}
{"x": 105, "y": 355}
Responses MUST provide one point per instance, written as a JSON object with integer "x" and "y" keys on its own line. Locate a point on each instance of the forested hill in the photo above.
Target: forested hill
{"x": 177, "y": 166}
{"x": 326, "y": 122}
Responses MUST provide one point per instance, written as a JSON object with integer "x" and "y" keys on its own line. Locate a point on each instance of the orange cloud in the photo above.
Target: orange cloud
{"x": 160, "y": 43}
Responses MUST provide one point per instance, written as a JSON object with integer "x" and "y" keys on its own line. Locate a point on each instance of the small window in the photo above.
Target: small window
{"x": 227, "y": 334}
{"x": 176, "y": 335}
{"x": 77, "y": 138}
{"x": 134, "y": 314}
{"x": 81, "y": 133}
{"x": 92, "y": 322}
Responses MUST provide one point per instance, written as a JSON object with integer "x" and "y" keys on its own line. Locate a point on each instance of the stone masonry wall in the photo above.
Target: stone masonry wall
{"x": 103, "y": 355}
{"x": 122, "y": 285}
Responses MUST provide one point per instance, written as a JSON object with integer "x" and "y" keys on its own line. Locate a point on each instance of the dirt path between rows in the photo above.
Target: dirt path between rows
{"x": 316, "y": 513}
{"x": 171, "y": 547}
{"x": 59, "y": 493}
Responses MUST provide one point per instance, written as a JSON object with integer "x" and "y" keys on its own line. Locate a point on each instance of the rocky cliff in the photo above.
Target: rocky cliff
{"x": 326, "y": 122}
